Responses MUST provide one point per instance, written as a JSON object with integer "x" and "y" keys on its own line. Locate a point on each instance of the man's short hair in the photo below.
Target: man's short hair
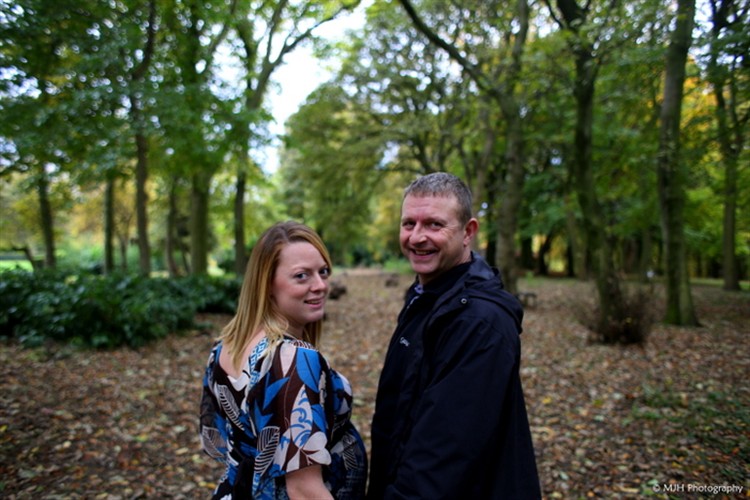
{"x": 443, "y": 184}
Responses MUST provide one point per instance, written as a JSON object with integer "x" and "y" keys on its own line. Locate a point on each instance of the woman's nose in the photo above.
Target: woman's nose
{"x": 319, "y": 283}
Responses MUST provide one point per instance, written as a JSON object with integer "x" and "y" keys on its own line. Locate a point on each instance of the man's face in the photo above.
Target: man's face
{"x": 432, "y": 237}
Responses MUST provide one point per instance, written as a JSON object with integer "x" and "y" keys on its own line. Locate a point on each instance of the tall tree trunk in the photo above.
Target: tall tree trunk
{"x": 577, "y": 262}
{"x": 141, "y": 204}
{"x": 240, "y": 257}
{"x": 645, "y": 267}
{"x": 594, "y": 226}
{"x": 141, "y": 144}
{"x": 491, "y": 234}
{"x": 109, "y": 225}
{"x": 199, "y": 198}
{"x": 729, "y": 266}
{"x": 597, "y": 242}
{"x": 541, "y": 262}
{"x": 527, "y": 254}
{"x": 670, "y": 172}
{"x": 47, "y": 219}
{"x": 726, "y": 19}
{"x": 508, "y": 101}
{"x": 171, "y": 239}
{"x": 511, "y": 195}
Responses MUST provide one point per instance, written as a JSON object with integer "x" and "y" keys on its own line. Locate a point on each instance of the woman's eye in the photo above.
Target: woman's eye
{"x": 325, "y": 272}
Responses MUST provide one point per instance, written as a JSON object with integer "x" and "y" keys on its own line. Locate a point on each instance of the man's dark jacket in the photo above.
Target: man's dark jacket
{"x": 450, "y": 420}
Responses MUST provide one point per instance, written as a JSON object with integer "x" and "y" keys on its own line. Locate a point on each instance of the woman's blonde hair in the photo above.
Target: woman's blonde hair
{"x": 256, "y": 310}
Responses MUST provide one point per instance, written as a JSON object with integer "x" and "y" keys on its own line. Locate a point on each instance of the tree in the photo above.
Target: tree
{"x": 140, "y": 60}
{"x": 259, "y": 29}
{"x": 728, "y": 45}
{"x": 591, "y": 35}
{"x": 333, "y": 169}
{"x": 671, "y": 172}
{"x": 41, "y": 46}
{"x": 501, "y": 36}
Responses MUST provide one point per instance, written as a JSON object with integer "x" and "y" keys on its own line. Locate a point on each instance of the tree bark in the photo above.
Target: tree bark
{"x": 141, "y": 197}
{"x": 731, "y": 126}
{"x": 171, "y": 238}
{"x": 109, "y": 225}
{"x": 199, "y": 198}
{"x": 240, "y": 257}
{"x": 47, "y": 219}
{"x": 511, "y": 195}
{"x": 670, "y": 172}
{"x": 573, "y": 17}
{"x": 141, "y": 144}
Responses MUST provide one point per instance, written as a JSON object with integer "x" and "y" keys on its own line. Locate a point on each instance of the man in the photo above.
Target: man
{"x": 450, "y": 420}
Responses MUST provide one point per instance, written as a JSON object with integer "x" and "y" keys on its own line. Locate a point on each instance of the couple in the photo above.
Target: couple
{"x": 450, "y": 420}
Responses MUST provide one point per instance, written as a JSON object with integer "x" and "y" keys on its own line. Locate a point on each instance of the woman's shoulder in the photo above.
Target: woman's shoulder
{"x": 293, "y": 350}
{"x": 295, "y": 343}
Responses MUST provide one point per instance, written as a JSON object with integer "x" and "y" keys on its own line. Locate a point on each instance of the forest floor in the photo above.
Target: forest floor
{"x": 670, "y": 419}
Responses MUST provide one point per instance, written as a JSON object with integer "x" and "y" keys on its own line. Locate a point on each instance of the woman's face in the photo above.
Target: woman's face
{"x": 300, "y": 285}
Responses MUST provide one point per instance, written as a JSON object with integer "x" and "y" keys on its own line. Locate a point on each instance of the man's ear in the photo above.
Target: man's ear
{"x": 470, "y": 230}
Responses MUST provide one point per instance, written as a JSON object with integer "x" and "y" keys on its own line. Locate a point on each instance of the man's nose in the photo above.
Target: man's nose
{"x": 418, "y": 234}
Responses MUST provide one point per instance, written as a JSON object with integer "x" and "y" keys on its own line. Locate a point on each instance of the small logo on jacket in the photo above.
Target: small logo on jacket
{"x": 404, "y": 342}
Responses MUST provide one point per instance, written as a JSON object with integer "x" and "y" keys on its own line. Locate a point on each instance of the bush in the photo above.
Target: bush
{"x": 633, "y": 318}
{"x": 105, "y": 311}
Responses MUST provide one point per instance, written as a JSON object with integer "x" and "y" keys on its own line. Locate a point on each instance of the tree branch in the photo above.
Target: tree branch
{"x": 479, "y": 78}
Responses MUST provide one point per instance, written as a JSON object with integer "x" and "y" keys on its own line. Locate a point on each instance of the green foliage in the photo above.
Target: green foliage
{"x": 105, "y": 311}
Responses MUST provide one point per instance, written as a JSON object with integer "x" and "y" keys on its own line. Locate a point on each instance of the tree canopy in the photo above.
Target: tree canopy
{"x": 140, "y": 122}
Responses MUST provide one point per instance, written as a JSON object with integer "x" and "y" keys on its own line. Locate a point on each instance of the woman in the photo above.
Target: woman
{"x": 273, "y": 411}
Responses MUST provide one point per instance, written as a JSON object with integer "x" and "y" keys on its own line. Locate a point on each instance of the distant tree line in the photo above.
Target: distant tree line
{"x": 603, "y": 139}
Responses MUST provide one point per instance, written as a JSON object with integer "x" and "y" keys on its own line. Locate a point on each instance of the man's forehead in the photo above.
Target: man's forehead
{"x": 428, "y": 197}
{"x": 432, "y": 206}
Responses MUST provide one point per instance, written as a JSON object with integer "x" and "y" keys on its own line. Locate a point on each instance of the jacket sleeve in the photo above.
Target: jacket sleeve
{"x": 456, "y": 422}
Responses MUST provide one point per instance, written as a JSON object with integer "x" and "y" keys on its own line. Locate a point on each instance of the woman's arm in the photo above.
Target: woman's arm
{"x": 307, "y": 484}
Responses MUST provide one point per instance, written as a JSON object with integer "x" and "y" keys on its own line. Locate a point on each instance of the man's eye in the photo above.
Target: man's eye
{"x": 407, "y": 224}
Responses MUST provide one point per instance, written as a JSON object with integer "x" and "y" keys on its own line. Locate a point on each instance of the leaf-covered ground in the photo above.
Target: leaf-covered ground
{"x": 607, "y": 421}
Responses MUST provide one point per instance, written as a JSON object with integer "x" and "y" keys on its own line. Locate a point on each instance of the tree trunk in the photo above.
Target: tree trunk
{"x": 141, "y": 143}
{"x": 123, "y": 240}
{"x": 141, "y": 205}
{"x": 199, "y": 222}
{"x": 670, "y": 173}
{"x": 508, "y": 102}
{"x": 170, "y": 241}
{"x": 109, "y": 225}
{"x": 511, "y": 196}
{"x": 527, "y": 254}
{"x": 731, "y": 131}
{"x": 645, "y": 267}
{"x": 577, "y": 262}
{"x": 47, "y": 220}
{"x": 240, "y": 257}
{"x": 729, "y": 262}
{"x": 541, "y": 262}
{"x": 597, "y": 242}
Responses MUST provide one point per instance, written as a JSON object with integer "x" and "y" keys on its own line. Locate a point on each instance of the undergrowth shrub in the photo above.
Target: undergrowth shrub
{"x": 631, "y": 322}
{"x": 106, "y": 311}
